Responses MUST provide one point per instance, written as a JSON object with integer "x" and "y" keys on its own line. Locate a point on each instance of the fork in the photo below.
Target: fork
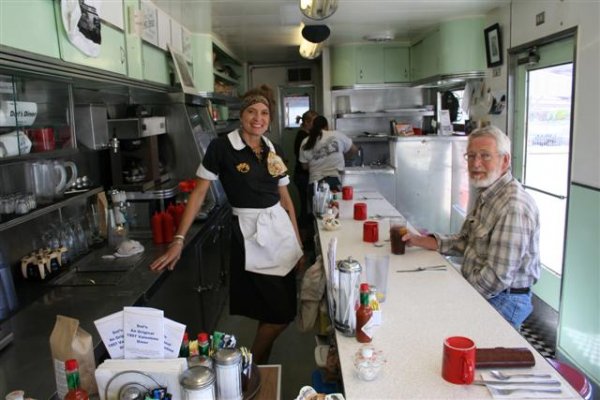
{"x": 432, "y": 268}
{"x": 506, "y": 391}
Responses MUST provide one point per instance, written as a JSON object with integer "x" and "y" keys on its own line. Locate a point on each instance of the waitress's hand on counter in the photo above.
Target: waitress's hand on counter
{"x": 427, "y": 242}
{"x": 169, "y": 257}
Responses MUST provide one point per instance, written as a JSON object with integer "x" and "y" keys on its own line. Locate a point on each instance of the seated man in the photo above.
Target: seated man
{"x": 500, "y": 236}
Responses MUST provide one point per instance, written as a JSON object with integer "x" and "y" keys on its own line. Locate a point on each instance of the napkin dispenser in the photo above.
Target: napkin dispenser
{"x": 113, "y": 376}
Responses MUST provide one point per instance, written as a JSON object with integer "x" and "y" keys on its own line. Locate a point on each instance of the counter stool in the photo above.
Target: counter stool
{"x": 578, "y": 380}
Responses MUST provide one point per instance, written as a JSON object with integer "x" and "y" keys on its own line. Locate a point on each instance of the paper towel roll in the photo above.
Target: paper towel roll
{"x": 17, "y": 112}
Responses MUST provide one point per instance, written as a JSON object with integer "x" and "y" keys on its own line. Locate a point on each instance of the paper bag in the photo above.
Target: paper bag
{"x": 67, "y": 341}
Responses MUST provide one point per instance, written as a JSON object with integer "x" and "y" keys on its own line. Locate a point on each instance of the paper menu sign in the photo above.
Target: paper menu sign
{"x": 173, "y": 336}
{"x": 144, "y": 332}
{"x": 111, "y": 332}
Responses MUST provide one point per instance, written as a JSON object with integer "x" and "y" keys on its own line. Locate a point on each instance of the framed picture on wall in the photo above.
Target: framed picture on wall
{"x": 493, "y": 46}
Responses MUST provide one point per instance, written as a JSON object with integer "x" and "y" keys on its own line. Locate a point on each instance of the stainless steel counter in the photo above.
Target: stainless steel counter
{"x": 26, "y": 364}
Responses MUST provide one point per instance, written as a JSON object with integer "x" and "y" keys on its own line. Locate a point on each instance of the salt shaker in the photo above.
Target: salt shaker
{"x": 228, "y": 368}
{"x": 198, "y": 383}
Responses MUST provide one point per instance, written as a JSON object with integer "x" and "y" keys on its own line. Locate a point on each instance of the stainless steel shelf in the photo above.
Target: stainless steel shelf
{"x": 38, "y": 212}
{"x": 388, "y": 113}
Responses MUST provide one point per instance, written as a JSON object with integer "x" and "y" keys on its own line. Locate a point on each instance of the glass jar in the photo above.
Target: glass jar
{"x": 228, "y": 367}
{"x": 198, "y": 383}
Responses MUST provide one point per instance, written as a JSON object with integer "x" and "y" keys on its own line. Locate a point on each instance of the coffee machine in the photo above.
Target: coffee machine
{"x": 138, "y": 157}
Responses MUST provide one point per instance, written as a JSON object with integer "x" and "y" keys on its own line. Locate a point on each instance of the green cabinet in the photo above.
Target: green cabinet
{"x": 424, "y": 57}
{"x": 155, "y": 64}
{"x": 396, "y": 64}
{"x": 29, "y": 25}
{"x": 112, "y": 51}
{"x": 462, "y": 46}
{"x": 343, "y": 66}
{"x": 369, "y": 64}
{"x": 455, "y": 47}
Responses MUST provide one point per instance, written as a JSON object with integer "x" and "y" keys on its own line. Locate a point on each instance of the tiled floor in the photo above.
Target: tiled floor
{"x": 540, "y": 328}
{"x": 293, "y": 350}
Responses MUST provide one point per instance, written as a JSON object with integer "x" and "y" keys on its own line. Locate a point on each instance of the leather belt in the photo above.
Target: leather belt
{"x": 517, "y": 290}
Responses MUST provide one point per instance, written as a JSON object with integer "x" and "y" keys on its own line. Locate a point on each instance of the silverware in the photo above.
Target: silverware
{"x": 505, "y": 391}
{"x": 371, "y": 198}
{"x": 526, "y": 383}
{"x": 503, "y": 377}
{"x": 432, "y": 268}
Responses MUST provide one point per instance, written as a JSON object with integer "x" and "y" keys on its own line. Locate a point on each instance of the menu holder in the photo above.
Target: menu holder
{"x": 504, "y": 357}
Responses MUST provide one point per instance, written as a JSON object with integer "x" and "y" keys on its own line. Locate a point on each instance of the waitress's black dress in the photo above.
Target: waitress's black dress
{"x": 248, "y": 184}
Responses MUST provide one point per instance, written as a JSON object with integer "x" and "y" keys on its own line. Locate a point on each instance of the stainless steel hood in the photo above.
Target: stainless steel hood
{"x": 442, "y": 81}
{"x": 435, "y": 81}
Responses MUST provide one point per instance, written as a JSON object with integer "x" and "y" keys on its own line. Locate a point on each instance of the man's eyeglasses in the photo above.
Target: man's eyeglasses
{"x": 483, "y": 156}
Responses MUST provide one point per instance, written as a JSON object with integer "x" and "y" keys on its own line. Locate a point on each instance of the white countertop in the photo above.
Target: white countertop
{"x": 421, "y": 310}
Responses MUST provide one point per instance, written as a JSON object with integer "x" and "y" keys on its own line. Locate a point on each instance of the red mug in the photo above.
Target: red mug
{"x": 458, "y": 364}
{"x": 360, "y": 211}
{"x": 42, "y": 139}
{"x": 371, "y": 231}
{"x": 347, "y": 192}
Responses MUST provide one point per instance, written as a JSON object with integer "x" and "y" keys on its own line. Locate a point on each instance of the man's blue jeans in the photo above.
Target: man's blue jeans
{"x": 515, "y": 308}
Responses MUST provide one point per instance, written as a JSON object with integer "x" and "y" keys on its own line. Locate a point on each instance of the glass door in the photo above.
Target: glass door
{"x": 542, "y": 141}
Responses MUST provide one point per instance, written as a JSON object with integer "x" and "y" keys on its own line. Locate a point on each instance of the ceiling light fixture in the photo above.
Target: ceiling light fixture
{"x": 313, "y": 37}
{"x": 318, "y": 9}
{"x": 384, "y": 36}
{"x": 310, "y": 50}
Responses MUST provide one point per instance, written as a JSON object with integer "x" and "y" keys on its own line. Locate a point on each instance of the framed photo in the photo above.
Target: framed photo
{"x": 493, "y": 46}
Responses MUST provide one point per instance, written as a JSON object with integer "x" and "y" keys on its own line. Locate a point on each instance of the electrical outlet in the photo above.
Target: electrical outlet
{"x": 540, "y": 18}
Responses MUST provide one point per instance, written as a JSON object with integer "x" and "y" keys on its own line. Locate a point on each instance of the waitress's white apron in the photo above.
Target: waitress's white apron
{"x": 270, "y": 241}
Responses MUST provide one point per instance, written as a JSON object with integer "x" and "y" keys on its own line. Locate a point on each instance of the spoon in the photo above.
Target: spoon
{"x": 503, "y": 377}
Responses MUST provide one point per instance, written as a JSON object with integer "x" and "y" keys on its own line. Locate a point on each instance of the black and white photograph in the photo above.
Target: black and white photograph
{"x": 493, "y": 46}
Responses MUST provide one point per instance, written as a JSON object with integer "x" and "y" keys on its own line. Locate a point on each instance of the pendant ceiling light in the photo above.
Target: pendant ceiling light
{"x": 318, "y": 9}
{"x": 313, "y": 37}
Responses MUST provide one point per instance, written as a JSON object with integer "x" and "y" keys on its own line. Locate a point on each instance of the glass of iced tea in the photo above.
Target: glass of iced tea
{"x": 397, "y": 230}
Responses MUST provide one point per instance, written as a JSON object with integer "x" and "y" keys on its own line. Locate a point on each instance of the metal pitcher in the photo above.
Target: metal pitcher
{"x": 348, "y": 295}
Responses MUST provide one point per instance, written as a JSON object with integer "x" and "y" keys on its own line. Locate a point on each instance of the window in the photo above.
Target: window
{"x": 294, "y": 107}
{"x": 548, "y": 132}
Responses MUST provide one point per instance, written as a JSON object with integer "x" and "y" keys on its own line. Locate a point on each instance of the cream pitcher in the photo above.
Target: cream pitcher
{"x": 48, "y": 179}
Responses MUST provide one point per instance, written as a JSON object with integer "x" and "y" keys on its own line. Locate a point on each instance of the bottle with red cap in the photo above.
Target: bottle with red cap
{"x": 168, "y": 227}
{"x": 203, "y": 344}
{"x": 184, "y": 351}
{"x": 157, "y": 229}
{"x": 363, "y": 314}
{"x": 75, "y": 391}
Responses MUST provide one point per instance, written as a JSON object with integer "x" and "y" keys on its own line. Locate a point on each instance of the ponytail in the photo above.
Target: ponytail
{"x": 316, "y": 132}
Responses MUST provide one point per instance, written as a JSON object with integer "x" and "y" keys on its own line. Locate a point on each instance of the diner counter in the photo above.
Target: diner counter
{"x": 26, "y": 363}
{"x": 420, "y": 311}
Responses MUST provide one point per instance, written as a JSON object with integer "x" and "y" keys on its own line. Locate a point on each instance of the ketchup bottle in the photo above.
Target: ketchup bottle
{"x": 363, "y": 314}
{"x": 157, "y": 230}
{"x": 178, "y": 214}
{"x": 168, "y": 227}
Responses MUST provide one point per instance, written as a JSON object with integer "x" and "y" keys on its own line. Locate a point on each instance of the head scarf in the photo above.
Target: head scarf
{"x": 253, "y": 99}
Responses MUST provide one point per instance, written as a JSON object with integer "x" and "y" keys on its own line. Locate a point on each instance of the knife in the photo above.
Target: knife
{"x": 544, "y": 383}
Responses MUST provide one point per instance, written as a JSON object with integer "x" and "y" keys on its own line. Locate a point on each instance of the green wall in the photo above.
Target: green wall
{"x": 579, "y": 325}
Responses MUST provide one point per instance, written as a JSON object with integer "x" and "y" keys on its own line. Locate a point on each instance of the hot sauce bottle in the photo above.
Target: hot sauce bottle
{"x": 363, "y": 314}
{"x": 75, "y": 391}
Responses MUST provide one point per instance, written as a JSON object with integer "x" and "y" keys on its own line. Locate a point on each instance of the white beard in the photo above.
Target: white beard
{"x": 492, "y": 177}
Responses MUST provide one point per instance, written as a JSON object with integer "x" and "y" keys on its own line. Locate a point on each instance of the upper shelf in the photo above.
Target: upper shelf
{"x": 388, "y": 113}
{"x": 38, "y": 212}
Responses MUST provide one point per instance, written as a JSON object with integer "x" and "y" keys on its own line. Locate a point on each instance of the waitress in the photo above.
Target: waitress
{"x": 265, "y": 244}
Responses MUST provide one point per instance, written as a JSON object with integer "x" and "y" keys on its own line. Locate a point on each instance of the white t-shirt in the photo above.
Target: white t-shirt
{"x": 326, "y": 158}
